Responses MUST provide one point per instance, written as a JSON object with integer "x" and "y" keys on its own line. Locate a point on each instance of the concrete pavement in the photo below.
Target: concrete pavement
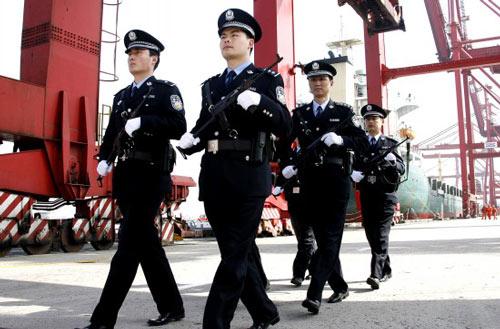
{"x": 446, "y": 275}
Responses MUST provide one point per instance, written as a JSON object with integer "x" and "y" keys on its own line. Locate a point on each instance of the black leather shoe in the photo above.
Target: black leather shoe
{"x": 265, "y": 325}
{"x": 166, "y": 318}
{"x": 95, "y": 326}
{"x": 373, "y": 282}
{"x": 311, "y": 305}
{"x": 296, "y": 281}
{"x": 338, "y": 297}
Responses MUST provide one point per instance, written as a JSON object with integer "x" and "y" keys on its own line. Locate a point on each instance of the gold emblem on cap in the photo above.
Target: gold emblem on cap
{"x": 315, "y": 66}
{"x": 229, "y": 15}
{"x": 132, "y": 36}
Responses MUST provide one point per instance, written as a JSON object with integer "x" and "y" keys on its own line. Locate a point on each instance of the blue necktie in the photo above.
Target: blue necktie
{"x": 373, "y": 141}
{"x": 229, "y": 78}
{"x": 318, "y": 111}
{"x": 134, "y": 90}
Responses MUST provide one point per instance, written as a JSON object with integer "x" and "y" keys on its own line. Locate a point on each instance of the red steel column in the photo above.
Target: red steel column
{"x": 470, "y": 135}
{"x": 375, "y": 61}
{"x": 456, "y": 45}
{"x": 276, "y": 19}
{"x": 489, "y": 127}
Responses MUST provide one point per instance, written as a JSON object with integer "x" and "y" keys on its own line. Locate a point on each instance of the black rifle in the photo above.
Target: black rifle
{"x": 390, "y": 180}
{"x": 377, "y": 161}
{"x": 117, "y": 147}
{"x": 229, "y": 99}
{"x": 303, "y": 153}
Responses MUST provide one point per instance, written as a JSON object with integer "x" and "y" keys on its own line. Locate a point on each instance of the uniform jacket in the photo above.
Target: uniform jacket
{"x": 373, "y": 182}
{"x": 307, "y": 128}
{"x": 162, "y": 119}
{"x": 221, "y": 174}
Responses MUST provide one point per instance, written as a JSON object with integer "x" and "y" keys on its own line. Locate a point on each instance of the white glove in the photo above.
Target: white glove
{"x": 357, "y": 176}
{"x": 289, "y": 171}
{"x": 332, "y": 138}
{"x": 390, "y": 157}
{"x": 103, "y": 168}
{"x": 248, "y": 98}
{"x": 277, "y": 190}
{"x": 187, "y": 140}
{"x": 132, "y": 125}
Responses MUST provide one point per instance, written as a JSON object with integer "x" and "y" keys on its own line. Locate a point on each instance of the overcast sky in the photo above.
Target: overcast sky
{"x": 188, "y": 28}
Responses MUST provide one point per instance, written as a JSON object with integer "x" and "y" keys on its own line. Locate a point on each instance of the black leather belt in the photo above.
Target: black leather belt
{"x": 224, "y": 145}
{"x": 333, "y": 160}
{"x": 139, "y": 155}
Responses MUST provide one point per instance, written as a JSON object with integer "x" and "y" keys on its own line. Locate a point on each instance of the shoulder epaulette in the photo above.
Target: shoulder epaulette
{"x": 300, "y": 107}
{"x": 272, "y": 73}
{"x": 165, "y": 82}
{"x": 391, "y": 139}
{"x": 211, "y": 78}
{"x": 122, "y": 90}
{"x": 343, "y": 104}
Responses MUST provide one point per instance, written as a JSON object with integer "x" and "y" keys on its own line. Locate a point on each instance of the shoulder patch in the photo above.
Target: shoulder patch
{"x": 356, "y": 120}
{"x": 280, "y": 95}
{"x": 176, "y": 102}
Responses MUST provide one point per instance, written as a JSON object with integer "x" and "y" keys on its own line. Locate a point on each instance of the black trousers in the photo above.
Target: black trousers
{"x": 377, "y": 218}
{"x": 325, "y": 262}
{"x": 326, "y": 203}
{"x": 139, "y": 243}
{"x": 306, "y": 244}
{"x": 234, "y": 224}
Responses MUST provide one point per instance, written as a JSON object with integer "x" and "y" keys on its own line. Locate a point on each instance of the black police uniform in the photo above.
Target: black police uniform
{"x": 235, "y": 179}
{"x": 233, "y": 175}
{"x": 378, "y": 198}
{"x": 140, "y": 182}
{"x": 306, "y": 243}
{"x": 324, "y": 175}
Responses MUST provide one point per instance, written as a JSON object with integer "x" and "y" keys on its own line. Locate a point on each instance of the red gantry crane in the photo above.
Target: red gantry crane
{"x": 456, "y": 52}
{"x": 51, "y": 116}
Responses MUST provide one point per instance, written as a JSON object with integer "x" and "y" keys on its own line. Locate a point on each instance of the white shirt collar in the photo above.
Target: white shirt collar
{"x": 139, "y": 84}
{"x": 238, "y": 69}
{"x": 323, "y": 105}
{"x": 376, "y": 136}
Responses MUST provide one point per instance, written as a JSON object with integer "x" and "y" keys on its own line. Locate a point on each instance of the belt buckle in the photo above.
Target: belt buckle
{"x": 213, "y": 146}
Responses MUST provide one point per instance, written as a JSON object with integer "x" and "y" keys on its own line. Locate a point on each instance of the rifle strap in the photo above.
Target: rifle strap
{"x": 221, "y": 116}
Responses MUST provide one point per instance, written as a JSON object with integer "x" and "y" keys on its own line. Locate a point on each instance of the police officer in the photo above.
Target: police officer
{"x": 306, "y": 244}
{"x": 378, "y": 182}
{"x": 235, "y": 169}
{"x": 140, "y": 182}
{"x": 324, "y": 174}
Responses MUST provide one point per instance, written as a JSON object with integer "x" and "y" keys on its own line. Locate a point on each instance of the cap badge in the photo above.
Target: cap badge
{"x": 368, "y": 107}
{"x": 315, "y": 66}
{"x": 132, "y": 36}
{"x": 229, "y": 15}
